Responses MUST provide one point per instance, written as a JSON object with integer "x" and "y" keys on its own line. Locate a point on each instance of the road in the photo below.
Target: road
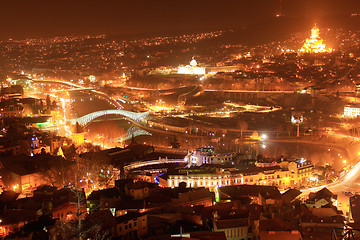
{"x": 341, "y": 184}
{"x": 209, "y": 90}
{"x": 346, "y": 183}
{"x": 70, "y": 84}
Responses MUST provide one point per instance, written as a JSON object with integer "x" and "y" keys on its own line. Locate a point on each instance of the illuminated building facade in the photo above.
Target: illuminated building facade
{"x": 207, "y": 179}
{"x": 314, "y": 44}
{"x": 10, "y": 111}
{"x": 271, "y": 176}
{"x": 292, "y": 173}
{"x": 357, "y": 88}
{"x": 191, "y": 69}
{"x": 78, "y": 138}
{"x": 207, "y": 155}
{"x": 302, "y": 170}
{"x": 286, "y": 174}
{"x": 351, "y": 111}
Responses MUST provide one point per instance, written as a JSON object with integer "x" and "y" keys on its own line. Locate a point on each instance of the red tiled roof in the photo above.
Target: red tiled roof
{"x": 231, "y": 223}
{"x": 208, "y": 235}
{"x": 283, "y": 235}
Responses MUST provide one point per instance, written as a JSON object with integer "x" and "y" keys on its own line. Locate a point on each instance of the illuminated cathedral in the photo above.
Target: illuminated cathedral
{"x": 314, "y": 44}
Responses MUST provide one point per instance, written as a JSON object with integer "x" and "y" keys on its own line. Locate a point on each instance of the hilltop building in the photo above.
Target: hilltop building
{"x": 192, "y": 69}
{"x": 314, "y": 44}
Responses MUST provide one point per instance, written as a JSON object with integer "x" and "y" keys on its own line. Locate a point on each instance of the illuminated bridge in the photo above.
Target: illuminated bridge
{"x": 132, "y": 132}
{"x": 86, "y": 119}
{"x": 153, "y": 162}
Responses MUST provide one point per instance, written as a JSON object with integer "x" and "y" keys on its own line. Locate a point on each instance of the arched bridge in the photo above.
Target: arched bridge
{"x": 153, "y": 162}
{"x": 86, "y": 119}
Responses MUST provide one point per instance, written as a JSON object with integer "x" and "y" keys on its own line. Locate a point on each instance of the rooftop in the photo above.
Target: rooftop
{"x": 231, "y": 223}
{"x": 283, "y": 235}
{"x": 129, "y": 216}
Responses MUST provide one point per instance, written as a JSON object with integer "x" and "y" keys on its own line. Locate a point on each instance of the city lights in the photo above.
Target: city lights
{"x": 196, "y": 124}
{"x": 314, "y": 44}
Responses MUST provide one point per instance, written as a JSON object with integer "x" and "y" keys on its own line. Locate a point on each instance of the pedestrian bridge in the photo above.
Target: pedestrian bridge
{"x": 86, "y": 119}
{"x": 153, "y": 162}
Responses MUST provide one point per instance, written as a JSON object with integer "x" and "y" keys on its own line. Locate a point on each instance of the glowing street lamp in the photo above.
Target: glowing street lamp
{"x": 297, "y": 121}
{"x": 263, "y": 137}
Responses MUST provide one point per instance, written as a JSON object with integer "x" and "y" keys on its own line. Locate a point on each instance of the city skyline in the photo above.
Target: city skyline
{"x": 231, "y": 120}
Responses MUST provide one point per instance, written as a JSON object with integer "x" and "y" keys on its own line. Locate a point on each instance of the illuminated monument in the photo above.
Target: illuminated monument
{"x": 192, "y": 69}
{"x": 314, "y": 44}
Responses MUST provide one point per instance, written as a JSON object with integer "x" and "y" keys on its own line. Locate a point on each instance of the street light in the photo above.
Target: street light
{"x": 263, "y": 137}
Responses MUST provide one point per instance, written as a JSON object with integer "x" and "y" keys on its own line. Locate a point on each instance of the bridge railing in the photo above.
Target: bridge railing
{"x": 152, "y": 162}
{"x": 84, "y": 120}
{"x": 347, "y": 233}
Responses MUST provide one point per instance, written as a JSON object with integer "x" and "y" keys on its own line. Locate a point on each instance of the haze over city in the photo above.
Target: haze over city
{"x": 27, "y": 19}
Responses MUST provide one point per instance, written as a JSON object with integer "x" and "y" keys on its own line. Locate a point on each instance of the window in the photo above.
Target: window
{"x": 126, "y": 226}
{"x": 129, "y": 225}
{"x": 135, "y": 223}
{"x": 120, "y": 229}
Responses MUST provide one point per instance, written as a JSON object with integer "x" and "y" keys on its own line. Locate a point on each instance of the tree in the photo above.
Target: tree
{"x": 289, "y": 128}
{"x": 175, "y": 143}
{"x": 109, "y": 130}
{"x": 48, "y": 103}
{"x": 279, "y": 128}
{"x": 74, "y": 229}
{"x": 242, "y": 125}
{"x": 59, "y": 173}
{"x": 190, "y": 126}
{"x": 54, "y": 104}
{"x": 98, "y": 225}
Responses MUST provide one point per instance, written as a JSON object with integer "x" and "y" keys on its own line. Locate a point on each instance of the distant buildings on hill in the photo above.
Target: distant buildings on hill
{"x": 193, "y": 68}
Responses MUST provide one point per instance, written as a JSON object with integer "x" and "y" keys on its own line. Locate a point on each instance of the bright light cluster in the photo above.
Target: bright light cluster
{"x": 191, "y": 69}
{"x": 314, "y": 44}
{"x": 350, "y": 111}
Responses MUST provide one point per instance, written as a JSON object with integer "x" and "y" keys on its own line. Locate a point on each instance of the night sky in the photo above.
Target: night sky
{"x": 22, "y": 19}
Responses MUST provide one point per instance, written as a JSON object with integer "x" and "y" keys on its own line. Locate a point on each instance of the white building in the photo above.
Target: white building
{"x": 207, "y": 155}
{"x": 351, "y": 111}
{"x": 235, "y": 229}
{"x": 208, "y": 179}
{"x": 287, "y": 174}
{"x": 191, "y": 69}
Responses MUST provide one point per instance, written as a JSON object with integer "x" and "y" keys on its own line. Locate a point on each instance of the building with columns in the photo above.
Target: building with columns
{"x": 287, "y": 173}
